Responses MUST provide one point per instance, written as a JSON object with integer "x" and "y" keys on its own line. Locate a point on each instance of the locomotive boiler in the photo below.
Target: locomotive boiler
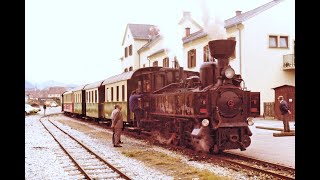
{"x": 207, "y": 113}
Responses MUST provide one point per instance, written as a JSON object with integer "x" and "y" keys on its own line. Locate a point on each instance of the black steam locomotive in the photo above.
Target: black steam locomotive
{"x": 206, "y": 111}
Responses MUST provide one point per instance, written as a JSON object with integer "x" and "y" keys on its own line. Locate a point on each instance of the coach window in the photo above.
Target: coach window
{"x": 117, "y": 93}
{"x": 111, "y": 94}
{"x": 96, "y": 96}
{"x": 92, "y": 99}
{"x": 123, "y": 95}
{"x": 107, "y": 95}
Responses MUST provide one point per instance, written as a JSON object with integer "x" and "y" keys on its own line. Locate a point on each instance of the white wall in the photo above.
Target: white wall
{"x": 262, "y": 67}
{"x": 198, "y": 45}
{"x": 131, "y": 60}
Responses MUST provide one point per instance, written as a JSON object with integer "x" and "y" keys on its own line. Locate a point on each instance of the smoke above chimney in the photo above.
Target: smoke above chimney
{"x": 212, "y": 24}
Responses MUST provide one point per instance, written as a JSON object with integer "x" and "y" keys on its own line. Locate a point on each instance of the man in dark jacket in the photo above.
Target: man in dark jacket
{"x": 134, "y": 106}
{"x": 285, "y": 112}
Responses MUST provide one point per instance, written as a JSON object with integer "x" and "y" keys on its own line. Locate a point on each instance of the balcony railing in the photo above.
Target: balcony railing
{"x": 288, "y": 61}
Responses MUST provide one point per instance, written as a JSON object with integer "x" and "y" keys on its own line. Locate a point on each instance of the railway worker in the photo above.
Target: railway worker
{"x": 44, "y": 109}
{"x": 117, "y": 125}
{"x": 285, "y": 112}
{"x": 112, "y": 114}
{"x": 134, "y": 106}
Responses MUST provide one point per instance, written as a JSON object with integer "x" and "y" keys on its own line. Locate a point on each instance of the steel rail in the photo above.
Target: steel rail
{"x": 87, "y": 176}
{"x": 258, "y": 169}
{"x": 122, "y": 175}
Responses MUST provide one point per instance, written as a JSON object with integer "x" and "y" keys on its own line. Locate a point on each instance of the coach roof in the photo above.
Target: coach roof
{"x": 93, "y": 85}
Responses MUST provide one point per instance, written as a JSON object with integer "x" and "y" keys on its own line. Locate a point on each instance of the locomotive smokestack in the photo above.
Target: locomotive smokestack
{"x": 222, "y": 50}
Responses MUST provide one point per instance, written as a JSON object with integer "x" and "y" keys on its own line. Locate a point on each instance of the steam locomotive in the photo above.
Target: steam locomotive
{"x": 206, "y": 111}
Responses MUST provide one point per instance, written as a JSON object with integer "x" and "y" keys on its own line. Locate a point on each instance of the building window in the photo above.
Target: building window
{"x": 155, "y": 64}
{"x": 192, "y": 58}
{"x": 284, "y": 41}
{"x": 123, "y": 95}
{"x": 278, "y": 41}
{"x": 126, "y": 52}
{"x": 117, "y": 93}
{"x": 130, "y": 68}
{"x": 273, "y": 41}
{"x": 166, "y": 62}
{"x": 111, "y": 94}
{"x": 206, "y": 53}
{"x": 130, "y": 50}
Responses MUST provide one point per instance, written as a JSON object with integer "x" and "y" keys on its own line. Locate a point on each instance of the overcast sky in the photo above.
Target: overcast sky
{"x": 79, "y": 41}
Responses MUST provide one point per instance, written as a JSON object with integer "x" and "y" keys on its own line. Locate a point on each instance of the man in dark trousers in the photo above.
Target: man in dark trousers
{"x": 134, "y": 106}
{"x": 117, "y": 125}
{"x": 285, "y": 112}
{"x": 44, "y": 109}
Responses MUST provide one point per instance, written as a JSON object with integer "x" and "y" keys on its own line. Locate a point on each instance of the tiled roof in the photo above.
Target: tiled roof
{"x": 235, "y": 20}
{"x": 193, "y": 36}
{"x": 157, "y": 52}
{"x": 249, "y": 14}
{"x": 140, "y": 31}
{"x": 155, "y": 39}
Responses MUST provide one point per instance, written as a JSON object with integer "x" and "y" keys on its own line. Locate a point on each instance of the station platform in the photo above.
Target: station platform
{"x": 265, "y": 146}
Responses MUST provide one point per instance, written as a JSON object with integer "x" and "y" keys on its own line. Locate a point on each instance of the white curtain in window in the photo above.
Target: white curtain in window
{"x": 283, "y": 42}
{"x": 272, "y": 42}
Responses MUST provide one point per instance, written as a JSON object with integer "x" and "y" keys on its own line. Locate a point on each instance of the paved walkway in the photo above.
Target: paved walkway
{"x": 265, "y": 146}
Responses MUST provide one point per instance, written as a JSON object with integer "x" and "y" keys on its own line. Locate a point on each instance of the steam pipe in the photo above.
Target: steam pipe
{"x": 240, "y": 49}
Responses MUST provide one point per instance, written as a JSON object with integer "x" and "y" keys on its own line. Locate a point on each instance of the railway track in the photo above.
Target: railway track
{"x": 276, "y": 171}
{"x": 268, "y": 168}
{"x": 83, "y": 163}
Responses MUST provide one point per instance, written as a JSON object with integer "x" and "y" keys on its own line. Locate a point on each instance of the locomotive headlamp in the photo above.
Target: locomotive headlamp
{"x": 250, "y": 121}
{"x": 205, "y": 122}
{"x": 229, "y": 73}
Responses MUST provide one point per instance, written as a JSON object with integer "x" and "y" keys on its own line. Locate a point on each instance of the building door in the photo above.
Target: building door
{"x": 254, "y": 104}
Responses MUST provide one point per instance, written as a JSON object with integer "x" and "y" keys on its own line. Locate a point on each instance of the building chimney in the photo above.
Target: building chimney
{"x": 187, "y": 31}
{"x": 238, "y": 13}
{"x": 186, "y": 14}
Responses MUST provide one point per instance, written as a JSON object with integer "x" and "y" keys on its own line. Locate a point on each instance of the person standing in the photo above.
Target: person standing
{"x": 134, "y": 106}
{"x": 111, "y": 117}
{"x": 285, "y": 112}
{"x": 117, "y": 125}
{"x": 44, "y": 109}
